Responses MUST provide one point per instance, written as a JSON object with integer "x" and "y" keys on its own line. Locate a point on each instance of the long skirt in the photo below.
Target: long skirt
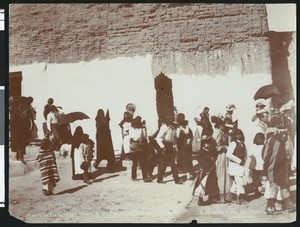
{"x": 224, "y": 181}
{"x": 77, "y": 161}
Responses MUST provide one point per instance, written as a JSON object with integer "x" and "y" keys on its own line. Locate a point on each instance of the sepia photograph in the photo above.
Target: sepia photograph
{"x": 152, "y": 113}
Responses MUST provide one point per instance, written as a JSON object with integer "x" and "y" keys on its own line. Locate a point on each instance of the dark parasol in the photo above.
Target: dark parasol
{"x": 71, "y": 117}
{"x": 267, "y": 91}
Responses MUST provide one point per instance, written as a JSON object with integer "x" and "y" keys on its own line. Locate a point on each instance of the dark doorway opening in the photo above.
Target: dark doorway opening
{"x": 15, "y": 84}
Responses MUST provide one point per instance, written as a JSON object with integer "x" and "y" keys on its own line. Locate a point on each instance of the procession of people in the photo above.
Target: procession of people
{"x": 225, "y": 167}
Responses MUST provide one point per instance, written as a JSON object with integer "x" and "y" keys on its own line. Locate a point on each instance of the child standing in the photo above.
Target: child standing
{"x": 86, "y": 155}
{"x": 257, "y": 163}
{"x": 48, "y": 167}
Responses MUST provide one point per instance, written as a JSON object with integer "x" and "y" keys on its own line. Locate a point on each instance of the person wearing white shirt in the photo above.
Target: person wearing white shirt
{"x": 138, "y": 143}
{"x": 52, "y": 120}
{"x": 236, "y": 154}
{"x": 166, "y": 139}
{"x": 125, "y": 125}
{"x": 255, "y": 153}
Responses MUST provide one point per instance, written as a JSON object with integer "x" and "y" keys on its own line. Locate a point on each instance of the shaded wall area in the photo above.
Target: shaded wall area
{"x": 281, "y": 75}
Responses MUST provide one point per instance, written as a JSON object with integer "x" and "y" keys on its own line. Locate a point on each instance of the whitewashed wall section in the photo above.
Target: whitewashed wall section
{"x": 111, "y": 84}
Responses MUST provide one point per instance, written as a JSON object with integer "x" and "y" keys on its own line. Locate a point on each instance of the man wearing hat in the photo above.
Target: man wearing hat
{"x": 166, "y": 139}
{"x": 184, "y": 144}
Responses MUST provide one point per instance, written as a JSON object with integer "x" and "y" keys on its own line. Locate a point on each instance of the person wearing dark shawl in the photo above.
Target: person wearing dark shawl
{"x": 105, "y": 150}
{"x": 76, "y": 140}
{"x": 20, "y": 126}
{"x": 206, "y": 162}
{"x": 275, "y": 159}
{"x": 47, "y": 107}
{"x": 205, "y": 122}
{"x": 184, "y": 144}
{"x": 48, "y": 167}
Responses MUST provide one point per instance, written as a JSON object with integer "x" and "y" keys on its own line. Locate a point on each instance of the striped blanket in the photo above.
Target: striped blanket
{"x": 48, "y": 167}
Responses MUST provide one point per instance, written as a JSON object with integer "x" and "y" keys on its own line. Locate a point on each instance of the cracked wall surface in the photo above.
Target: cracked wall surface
{"x": 181, "y": 38}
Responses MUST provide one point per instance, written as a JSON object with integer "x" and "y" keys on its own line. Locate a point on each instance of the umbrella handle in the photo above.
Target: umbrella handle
{"x": 188, "y": 205}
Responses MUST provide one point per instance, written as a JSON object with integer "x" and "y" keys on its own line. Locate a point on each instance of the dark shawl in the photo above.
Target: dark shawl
{"x": 275, "y": 162}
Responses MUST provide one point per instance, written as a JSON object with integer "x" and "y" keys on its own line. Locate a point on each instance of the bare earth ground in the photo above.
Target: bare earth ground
{"x": 114, "y": 198}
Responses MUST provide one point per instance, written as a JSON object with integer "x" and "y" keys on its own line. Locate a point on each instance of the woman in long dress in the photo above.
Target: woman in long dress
{"x": 76, "y": 140}
{"x": 221, "y": 136}
{"x": 105, "y": 150}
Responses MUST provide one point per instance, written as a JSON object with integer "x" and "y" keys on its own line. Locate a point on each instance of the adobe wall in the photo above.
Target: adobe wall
{"x": 182, "y": 38}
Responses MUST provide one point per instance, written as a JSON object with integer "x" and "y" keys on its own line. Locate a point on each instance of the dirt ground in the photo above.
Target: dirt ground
{"x": 114, "y": 198}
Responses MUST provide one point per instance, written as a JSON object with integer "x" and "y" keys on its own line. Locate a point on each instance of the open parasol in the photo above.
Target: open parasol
{"x": 71, "y": 117}
{"x": 267, "y": 91}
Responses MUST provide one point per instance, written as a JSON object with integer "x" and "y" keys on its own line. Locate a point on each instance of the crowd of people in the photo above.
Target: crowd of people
{"x": 226, "y": 168}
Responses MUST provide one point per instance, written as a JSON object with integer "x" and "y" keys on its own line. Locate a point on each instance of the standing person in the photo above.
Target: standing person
{"x": 76, "y": 140}
{"x": 221, "y": 136}
{"x": 236, "y": 154}
{"x": 138, "y": 146}
{"x": 206, "y": 124}
{"x": 47, "y": 108}
{"x": 125, "y": 124}
{"x": 20, "y": 126}
{"x": 196, "y": 144}
{"x": 184, "y": 144}
{"x": 103, "y": 139}
{"x": 229, "y": 112}
{"x": 52, "y": 125}
{"x": 85, "y": 157}
{"x": 166, "y": 140}
{"x": 206, "y": 160}
{"x": 152, "y": 159}
{"x": 204, "y": 127}
{"x": 34, "y": 129}
{"x": 276, "y": 166}
{"x": 48, "y": 166}
{"x": 64, "y": 130}
{"x": 261, "y": 119}
{"x": 257, "y": 163}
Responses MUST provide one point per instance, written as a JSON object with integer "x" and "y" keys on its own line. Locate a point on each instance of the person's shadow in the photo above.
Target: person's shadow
{"x": 102, "y": 170}
{"x": 71, "y": 190}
